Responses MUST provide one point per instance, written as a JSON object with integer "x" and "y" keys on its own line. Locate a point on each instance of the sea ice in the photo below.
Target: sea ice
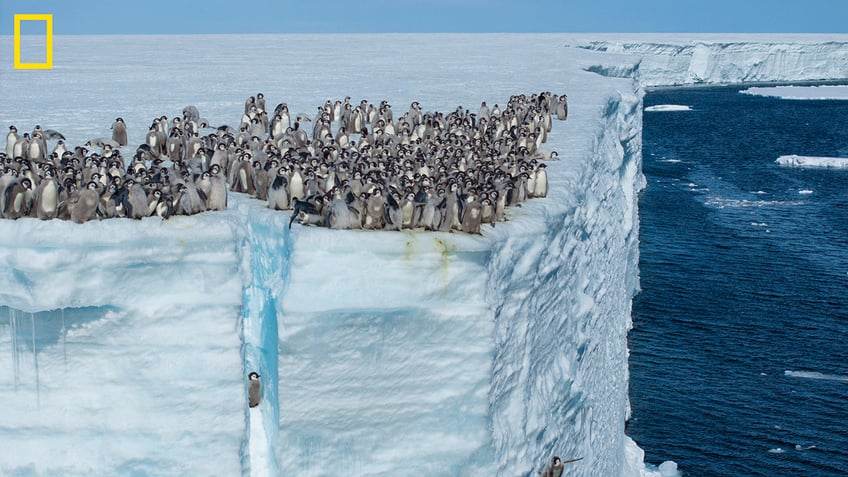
{"x": 800, "y": 92}
{"x": 809, "y": 161}
{"x": 668, "y": 107}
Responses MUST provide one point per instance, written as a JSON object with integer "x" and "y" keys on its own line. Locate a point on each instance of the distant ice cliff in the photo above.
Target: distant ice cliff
{"x": 669, "y": 60}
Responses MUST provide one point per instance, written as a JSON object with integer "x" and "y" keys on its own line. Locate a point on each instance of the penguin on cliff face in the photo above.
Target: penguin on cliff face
{"x": 254, "y": 391}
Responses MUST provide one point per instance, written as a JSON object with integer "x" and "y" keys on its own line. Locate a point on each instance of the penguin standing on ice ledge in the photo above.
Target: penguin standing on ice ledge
{"x": 255, "y": 389}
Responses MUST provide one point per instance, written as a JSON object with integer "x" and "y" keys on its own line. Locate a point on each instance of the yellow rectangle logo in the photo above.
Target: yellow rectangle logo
{"x": 48, "y": 20}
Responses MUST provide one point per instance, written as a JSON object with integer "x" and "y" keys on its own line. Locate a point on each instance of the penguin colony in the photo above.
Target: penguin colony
{"x": 430, "y": 171}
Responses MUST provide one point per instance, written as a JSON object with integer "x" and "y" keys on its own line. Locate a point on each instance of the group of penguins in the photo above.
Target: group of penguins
{"x": 431, "y": 171}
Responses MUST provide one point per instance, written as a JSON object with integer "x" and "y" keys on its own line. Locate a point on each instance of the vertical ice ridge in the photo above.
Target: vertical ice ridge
{"x": 264, "y": 249}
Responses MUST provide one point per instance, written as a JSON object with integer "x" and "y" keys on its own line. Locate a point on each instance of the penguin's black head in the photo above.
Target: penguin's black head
{"x": 253, "y": 375}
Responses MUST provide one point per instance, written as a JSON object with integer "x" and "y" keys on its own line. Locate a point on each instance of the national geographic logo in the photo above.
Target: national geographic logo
{"x": 48, "y": 20}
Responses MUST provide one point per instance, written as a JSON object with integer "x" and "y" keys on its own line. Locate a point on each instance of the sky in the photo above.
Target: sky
{"x": 437, "y": 16}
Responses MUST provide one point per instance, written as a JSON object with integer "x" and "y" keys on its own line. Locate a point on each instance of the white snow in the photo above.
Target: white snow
{"x": 800, "y": 92}
{"x": 128, "y": 342}
{"x": 668, "y": 108}
{"x": 818, "y": 162}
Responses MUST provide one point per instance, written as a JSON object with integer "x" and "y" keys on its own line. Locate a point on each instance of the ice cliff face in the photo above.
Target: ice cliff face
{"x": 128, "y": 343}
{"x": 446, "y": 353}
{"x": 678, "y": 60}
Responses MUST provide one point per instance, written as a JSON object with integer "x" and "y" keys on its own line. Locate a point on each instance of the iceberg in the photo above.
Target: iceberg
{"x": 127, "y": 344}
{"x": 801, "y": 92}
{"x": 817, "y": 162}
{"x": 668, "y": 108}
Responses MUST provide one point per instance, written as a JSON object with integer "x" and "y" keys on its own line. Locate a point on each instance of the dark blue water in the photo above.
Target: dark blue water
{"x": 739, "y": 363}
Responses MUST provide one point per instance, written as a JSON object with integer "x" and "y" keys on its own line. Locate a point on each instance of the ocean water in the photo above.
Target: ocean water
{"x": 739, "y": 363}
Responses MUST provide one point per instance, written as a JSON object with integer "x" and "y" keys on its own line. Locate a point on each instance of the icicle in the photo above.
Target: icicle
{"x": 35, "y": 364}
{"x": 64, "y": 340}
{"x": 13, "y": 329}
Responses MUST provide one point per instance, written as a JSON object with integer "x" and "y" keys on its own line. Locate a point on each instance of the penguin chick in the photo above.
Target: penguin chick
{"x": 255, "y": 390}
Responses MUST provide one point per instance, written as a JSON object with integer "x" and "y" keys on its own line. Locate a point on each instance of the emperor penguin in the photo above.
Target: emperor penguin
{"x": 153, "y": 140}
{"x": 220, "y": 156}
{"x": 119, "y": 131}
{"x": 374, "y": 210}
{"x": 472, "y": 217}
{"x": 260, "y": 181}
{"x": 191, "y": 113}
{"x": 189, "y": 200}
{"x": 277, "y": 126}
{"x": 340, "y": 216}
{"x": 541, "y": 176}
{"x": 487, "y": 212}
{"x": 17, "y": 199}
{"x": 203, "y": 184}
{"x": 37, "y": 149}
{"x": 554, "y": 469}
{"x": 278, "y": 192}
{"x": 562, "y": 108}
{"x": 297, "y": 189}
{"x": 176, "y": 146}
{"x": 254, "y": 391}
{"x": 407, "y": 207}
{"x": 484, "y": 111}
{"x": 136, "y": 200}
{"x": 86, "y": 206}
{"x": 392, "y": 213}
{"x": 300, "y": 137}
{"x": 21, "y": 147}
{"x": 47, "y": 196}
{"x": 217, "y": 199}
{"x": 243, "y": 176}
{"x": 11, "y": 138}
{"x": 450, "y": 210}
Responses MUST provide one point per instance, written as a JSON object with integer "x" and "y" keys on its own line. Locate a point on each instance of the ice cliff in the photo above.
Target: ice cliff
{"x": 125, "y": 345}
{"x": 668, "y": 60}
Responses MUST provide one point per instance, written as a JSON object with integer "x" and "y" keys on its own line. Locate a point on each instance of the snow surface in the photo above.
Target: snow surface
{"x": 800, "y": 92}
{"x": 129, "y": 342}
{"x": 817, "y": 162}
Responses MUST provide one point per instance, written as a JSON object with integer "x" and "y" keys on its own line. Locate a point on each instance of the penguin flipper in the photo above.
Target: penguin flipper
{"x": 50, "y": 135}
{"x": 349, "y": 198}
{"x": 391, "y": 201}
{"x": 420, "y": 197}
